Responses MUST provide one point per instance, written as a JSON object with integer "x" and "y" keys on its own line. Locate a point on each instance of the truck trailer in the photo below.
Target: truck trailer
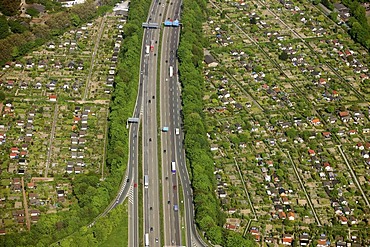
{"x": 171, "y": 71}
{"x": 146, "y": 181}
{"x": 146, "y": 239}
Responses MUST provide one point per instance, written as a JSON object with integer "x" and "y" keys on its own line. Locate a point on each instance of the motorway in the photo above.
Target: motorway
{"x": 148, "y": 78}
{"x": 145, "y": 111}
{"x": 172, "y": 144}
{"x": 170, "y": 117}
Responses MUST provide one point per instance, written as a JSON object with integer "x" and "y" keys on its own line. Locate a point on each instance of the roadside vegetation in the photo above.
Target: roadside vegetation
{"x": 358, "y": 23}
{"x": 119, "y": 232}
{"x": 208, "y": 215}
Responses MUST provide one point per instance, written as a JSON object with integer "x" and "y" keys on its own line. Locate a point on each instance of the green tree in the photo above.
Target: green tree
{"x": 9, "y": 7}
{"x": 283, "y": 56}
{"x": 254, "y": 29}
{"x": 75, "y": 19}
{"x": 234, "y": 239}
{"x": 257, "y": 68}
{"x": 32, "y": 12}
{"x": 16, "y": 26}
{"x": 2, "y": 96}
{"x": 215, "y": 234}
{"x": 41, "y": 31}
{"x": 334, "y": 16}
{"x": 4, "y": 27}
{"x": 330, "y": 109}
{"x": 291, "y": 133}
{"x": 328, "y": 4}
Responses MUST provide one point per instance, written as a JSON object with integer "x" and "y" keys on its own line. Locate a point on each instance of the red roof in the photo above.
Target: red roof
{"x": 326, "y": 133}
{"x": 321, "y": 242}
{"x": 343, "y": 114}
{"x": 287, "y": 240}
{"x": 343, "y": 219}
{"x": 315, "y": 120}
{"x": 322, "y": 80}
{"x": 291, "y": 214}
{"x": 282, "y": 215}
{"x": 367, "y": 145}
{"x": 326, "y": 164}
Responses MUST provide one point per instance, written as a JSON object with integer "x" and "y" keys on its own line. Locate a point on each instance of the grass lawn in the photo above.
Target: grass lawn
{"x": 119, "y": 236}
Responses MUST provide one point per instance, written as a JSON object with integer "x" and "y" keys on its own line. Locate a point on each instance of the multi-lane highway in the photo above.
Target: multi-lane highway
{"x": 148, "y": 78}
{"x": 169, "y": 112}
{"x": 171, "y": 149}
{"x": 172, "y": 142}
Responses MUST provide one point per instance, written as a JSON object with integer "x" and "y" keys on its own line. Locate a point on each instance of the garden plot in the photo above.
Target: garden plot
{"x": 44, "y": 92}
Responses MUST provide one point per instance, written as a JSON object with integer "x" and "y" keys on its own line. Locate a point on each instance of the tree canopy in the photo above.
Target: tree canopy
{"x": 208, "y": 215}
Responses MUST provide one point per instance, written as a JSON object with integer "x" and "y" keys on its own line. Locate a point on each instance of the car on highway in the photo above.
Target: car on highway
{"x": 156, "y": 240}
{"x": 135, "y": 185}
{"x": 175, "y": 208}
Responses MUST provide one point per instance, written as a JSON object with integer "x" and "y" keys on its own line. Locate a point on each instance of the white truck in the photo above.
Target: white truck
{"x": 171, "y": 71}
{"x": 173, "y": 167}
{"x": 146, "y": 181}
{"x": 147, "y": 49}
{"x": 146, "y": 239}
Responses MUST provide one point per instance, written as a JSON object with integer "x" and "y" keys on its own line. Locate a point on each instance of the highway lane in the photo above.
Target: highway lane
{"x": 150, "y": 156}
{"x": 168, "y": 113}
{"x": 145, "y": 112}
{"x": 147, "y": 84}
{"x": 133, "y": 165}
{"x": 166, "y": 154}
{"x": 172, "y": 91}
